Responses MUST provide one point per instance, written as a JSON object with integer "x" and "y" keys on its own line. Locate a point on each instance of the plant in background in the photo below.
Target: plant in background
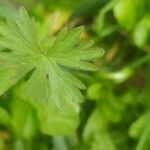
{"x": 45, "y": 67}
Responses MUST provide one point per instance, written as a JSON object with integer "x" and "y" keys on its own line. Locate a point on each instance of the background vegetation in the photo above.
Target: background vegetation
{"x": 115, "y": 114}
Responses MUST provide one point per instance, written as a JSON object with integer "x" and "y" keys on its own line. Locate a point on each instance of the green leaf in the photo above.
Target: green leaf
{"x": 94, "y": 91}
{"x": 95, "y": 134}
{"x": 140, "y": 129}
{"x": 23, "y": 118}
{"x": 50, "y": 79}
{"x": 54, "y": 121}
{"x": 12, "y": 69}
{"x": 142, "y": 31}
{"x": 129, "y": 12}
{"x": 144, "y": 141}
{"x": 138, "y": 126}
{"x": 103, "y": 26}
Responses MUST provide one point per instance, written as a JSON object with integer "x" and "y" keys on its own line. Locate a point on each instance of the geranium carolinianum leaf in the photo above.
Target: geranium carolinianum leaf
{"x": 50, "y": 79}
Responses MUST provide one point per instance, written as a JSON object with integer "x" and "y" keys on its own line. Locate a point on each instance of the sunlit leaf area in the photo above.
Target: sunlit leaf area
{"x": 74, "y": 74}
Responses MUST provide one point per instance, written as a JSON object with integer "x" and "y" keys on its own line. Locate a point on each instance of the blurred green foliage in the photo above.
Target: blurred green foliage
{"x": 116, "y": 112}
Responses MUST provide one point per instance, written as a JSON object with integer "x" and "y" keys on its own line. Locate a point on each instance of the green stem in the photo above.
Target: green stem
{"x": 140, "y": 62}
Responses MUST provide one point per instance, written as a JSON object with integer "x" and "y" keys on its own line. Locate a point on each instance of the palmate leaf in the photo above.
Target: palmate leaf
{"x": 50, "y": 78}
